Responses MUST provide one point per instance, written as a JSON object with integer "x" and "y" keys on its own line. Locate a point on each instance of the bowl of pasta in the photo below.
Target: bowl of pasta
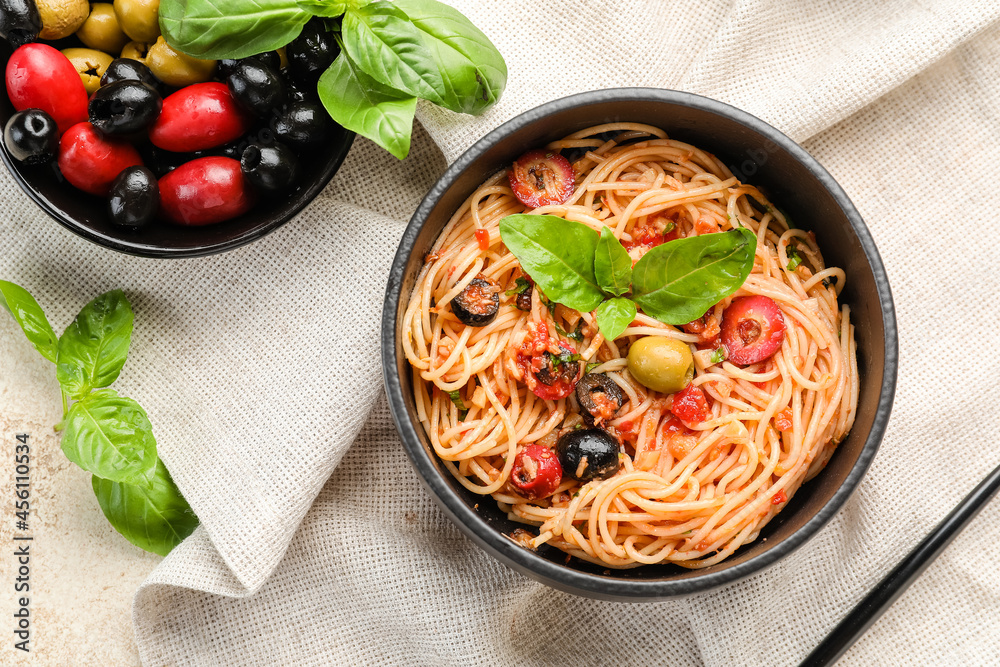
{"x": 638, "y": 344}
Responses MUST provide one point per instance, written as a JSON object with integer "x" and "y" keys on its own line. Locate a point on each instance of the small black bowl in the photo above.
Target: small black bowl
{"x": 758, "y": 154}
{"x": 86, "y": 214}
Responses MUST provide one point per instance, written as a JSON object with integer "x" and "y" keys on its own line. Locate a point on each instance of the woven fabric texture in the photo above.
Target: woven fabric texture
{"x": 260, "y": 367}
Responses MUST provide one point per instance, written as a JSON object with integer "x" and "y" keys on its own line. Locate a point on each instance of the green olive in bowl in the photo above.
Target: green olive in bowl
{"x": 140, "y": 19}
{"x": 91, "y": 64}
{"x": 174, "y": 68}
{"x": 101, "y": 30}
{"x": 136, "y": 51}
{"x": 661, "y": 364}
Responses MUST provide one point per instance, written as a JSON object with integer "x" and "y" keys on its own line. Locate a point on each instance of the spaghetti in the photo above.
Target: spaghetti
{"x": 689, "y": 493}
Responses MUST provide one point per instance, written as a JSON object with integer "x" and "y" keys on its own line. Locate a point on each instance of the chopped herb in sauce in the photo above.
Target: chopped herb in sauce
{"x": 456, "y": 398}
{"x": 794, "y": 258}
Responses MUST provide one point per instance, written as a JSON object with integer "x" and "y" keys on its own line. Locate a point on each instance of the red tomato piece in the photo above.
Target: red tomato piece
{"x": 542, "y": 178}
{"x": 783, "y": 420}
{"x": 91, "y": 162}
{"x": 483, "y": 239}
{"x": 779, "y": 498}
{"x": 40, "y": 77}
{"x": 752, "y": 329}
{"x": 674, "y": 426}
{"x": 690, "y": 405}
{"x": 537, "y": 472}
{"x": 205, "y": 191}
{"x": 547, "y": 365}
{"x": 660, "y": 228}
{"x": 199, "y": 117}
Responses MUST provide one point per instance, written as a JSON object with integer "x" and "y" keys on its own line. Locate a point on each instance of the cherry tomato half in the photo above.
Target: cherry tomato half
{"x": 40, "y": 77}
{"x": 690, "y": 405}
{"x": 537, "y": 472}
{"x": 752, "y": 329}
{"x": 199, "y": 117}
{"x": 542, "y": 178}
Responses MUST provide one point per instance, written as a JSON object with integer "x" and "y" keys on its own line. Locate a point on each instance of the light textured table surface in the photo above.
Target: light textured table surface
{"x": 319, "y": 546}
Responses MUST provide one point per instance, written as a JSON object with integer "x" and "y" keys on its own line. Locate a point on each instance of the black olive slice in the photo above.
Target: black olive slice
{"x": 599, "y": 398}
{"x": 559, "y": 368}
{"x": 478, "y": 304}
{"x": 587, "y": 454}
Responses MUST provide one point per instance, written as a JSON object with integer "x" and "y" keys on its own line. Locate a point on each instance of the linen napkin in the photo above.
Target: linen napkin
{"x": 259, "y": 368}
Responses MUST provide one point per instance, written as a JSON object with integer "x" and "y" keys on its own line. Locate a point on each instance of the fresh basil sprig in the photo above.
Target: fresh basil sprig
{"x": 102, "y": 432}
{"x": 675, "y": 283}
{"x": 392, "y": 53}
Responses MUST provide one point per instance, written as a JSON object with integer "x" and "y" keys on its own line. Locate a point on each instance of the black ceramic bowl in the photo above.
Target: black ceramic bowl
{"x": 758, "y": 154}
{"x": 85, "y": 214}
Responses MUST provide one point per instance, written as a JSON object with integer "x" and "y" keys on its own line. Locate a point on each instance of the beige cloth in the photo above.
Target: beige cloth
{"x": 260, "y": 367}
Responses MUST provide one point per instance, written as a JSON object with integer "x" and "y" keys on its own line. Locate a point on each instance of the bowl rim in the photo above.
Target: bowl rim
{"x": 139, "y": 249}
{"x": 528, "y": 562}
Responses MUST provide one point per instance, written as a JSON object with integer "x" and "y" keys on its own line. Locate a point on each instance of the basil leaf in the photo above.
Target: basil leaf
{"x": 612, "y": 264}
{"x": 155, "y": 517}
{"x": 680, "y": 280}
{"x": 614, "y": 316}
{"x": 475, "y": 73}
{"x": 718, "y": 356}
{"x": 385, "y": 45}
{"x": 367, "y": 107}
{"x": 216, "y": 29}
{"x": 110, "y": 436}
{"x": 558, "y": 255}
{"x": 327, "y": 8}
{"x": 93, "y": 348}
{"x": 29, "y": 315}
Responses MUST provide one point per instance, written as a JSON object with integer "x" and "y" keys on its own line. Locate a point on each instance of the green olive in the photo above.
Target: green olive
{"x": 136, "y": 51}
{"x": 660, "y": 363}
{"x": 140, "y": 19}
{"x": 91, "y": 64}
{"x": 61, "y": 18}
{"x": 177, "y": 69}
{"x": 101, "y": 30}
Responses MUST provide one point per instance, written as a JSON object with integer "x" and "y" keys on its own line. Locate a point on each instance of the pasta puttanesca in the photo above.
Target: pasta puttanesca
{"x": 690, "y": 498}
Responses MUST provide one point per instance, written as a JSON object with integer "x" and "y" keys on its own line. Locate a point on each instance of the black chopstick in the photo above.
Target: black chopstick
{"x": 866, "y": 612}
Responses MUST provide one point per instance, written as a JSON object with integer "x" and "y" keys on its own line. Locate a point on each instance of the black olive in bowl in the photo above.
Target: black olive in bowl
{"x": 762, "y": 156}
{"x": 31, "y": 137}
{"x": 124, "y": 108}
{"x": 127, "y": 69}
{"x": 301, "y": 124}
{"x": 134, "y": 198}
{"x": 256, "y": 87}
{"x": 270, "y": 168}
{"x": 87, "y": 215}
{"x": 311, "y": 53}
